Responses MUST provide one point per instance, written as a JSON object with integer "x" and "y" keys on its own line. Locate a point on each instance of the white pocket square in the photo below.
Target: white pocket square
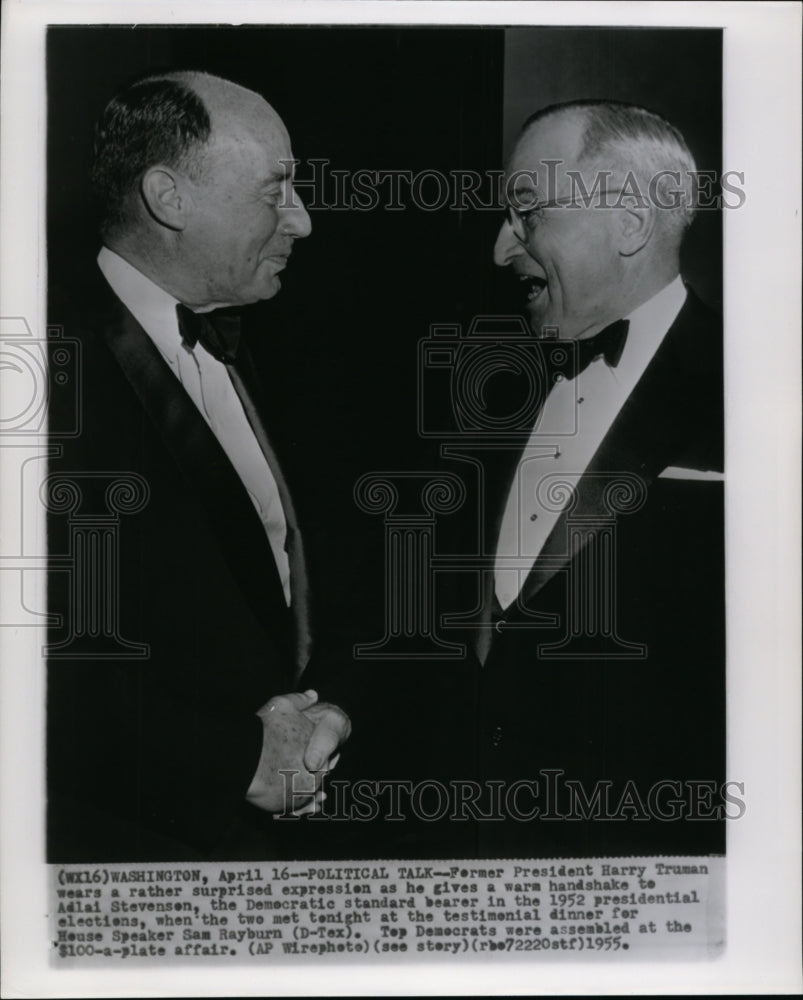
{"x": 675, "y": 472}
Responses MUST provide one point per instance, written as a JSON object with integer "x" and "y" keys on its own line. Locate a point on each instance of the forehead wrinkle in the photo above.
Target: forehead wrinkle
{"x": 285, "y": 170}
{"x": 238, "y": 152}
{"x": 559, "y": 137}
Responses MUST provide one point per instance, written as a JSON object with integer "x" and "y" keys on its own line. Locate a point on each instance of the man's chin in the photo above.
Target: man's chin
{"x": 540, "y": 322}
{"x": 266, "y": 289}
{"x": 273, "y": 287}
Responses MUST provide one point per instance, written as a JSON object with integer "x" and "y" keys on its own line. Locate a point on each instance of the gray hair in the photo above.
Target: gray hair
{"x": 641, "y": 142}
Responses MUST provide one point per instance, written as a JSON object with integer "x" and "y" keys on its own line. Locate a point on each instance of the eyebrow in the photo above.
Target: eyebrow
{"x": 276, "y": 176}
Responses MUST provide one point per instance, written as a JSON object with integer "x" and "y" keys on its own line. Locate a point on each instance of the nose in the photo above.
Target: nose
{"x": 507, "y": 245}
{"x": 296, "y": 221}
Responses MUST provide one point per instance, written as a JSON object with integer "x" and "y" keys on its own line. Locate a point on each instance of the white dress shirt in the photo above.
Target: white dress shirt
{"x": 576, "y": 417}
{"x": 208, "y": 385}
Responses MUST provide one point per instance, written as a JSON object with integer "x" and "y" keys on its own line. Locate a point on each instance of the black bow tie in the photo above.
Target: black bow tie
{"x": 608, "y": 343}
{"x": 218, "y": 332}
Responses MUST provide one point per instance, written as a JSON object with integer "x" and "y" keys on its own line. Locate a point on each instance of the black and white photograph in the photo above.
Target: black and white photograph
{"x": 390, "y": 582}
{"x": 490, "y": 562}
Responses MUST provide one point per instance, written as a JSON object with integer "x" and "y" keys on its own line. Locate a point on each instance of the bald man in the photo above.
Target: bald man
{"x": 168, "y": 742}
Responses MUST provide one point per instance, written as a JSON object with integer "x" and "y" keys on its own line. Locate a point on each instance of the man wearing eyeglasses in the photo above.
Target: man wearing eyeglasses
{"x": 602, "y": 688}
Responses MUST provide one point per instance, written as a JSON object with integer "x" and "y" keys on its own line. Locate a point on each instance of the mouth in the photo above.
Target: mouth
{"x": 533, "y": 286}
{"x": 279, "y": 260}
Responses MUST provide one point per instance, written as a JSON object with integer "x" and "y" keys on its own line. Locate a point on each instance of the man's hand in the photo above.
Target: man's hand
{"x": 299, "y": 735}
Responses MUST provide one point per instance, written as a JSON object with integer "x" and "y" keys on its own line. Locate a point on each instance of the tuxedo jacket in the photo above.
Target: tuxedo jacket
{"x": 170, "y": 626}
{"x": 609, "y": 669}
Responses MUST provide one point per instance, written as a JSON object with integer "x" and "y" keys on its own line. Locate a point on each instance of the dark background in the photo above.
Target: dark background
{"x": 338, "y": 345}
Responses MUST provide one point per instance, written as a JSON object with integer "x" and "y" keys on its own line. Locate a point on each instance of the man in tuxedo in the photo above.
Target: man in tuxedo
{"x": 178, "y": 577}
{"x": 601, "y": 635}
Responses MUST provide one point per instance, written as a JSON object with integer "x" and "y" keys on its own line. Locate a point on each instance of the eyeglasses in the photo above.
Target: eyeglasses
{"x": 525, "y": 220}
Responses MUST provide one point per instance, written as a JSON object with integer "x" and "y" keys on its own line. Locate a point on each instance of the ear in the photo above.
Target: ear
{"x": 635, "y": 229}
{"x": 163, "y": 196}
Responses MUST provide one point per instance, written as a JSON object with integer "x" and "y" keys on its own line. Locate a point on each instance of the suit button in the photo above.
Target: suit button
{"x": 500, "y": 625}
{"x": 497, "y": 736}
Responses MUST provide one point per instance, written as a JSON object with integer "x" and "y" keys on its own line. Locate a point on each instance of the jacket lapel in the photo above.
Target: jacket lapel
{"x": 197, "y": 453}
{"x": 300, "y": 605}
{"x": 675, "y": 399}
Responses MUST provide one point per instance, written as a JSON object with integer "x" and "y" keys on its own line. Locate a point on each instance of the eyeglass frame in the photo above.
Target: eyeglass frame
{"x": 521, "y": 216}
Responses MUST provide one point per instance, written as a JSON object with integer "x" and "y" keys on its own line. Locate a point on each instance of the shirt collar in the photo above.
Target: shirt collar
{"x": 152, "y": 307}
{"x": 649, "y": 324}
{"x": 661, "y": 310}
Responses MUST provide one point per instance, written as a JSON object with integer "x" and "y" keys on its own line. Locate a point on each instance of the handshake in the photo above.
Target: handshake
{"x": 300, "y": 739}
